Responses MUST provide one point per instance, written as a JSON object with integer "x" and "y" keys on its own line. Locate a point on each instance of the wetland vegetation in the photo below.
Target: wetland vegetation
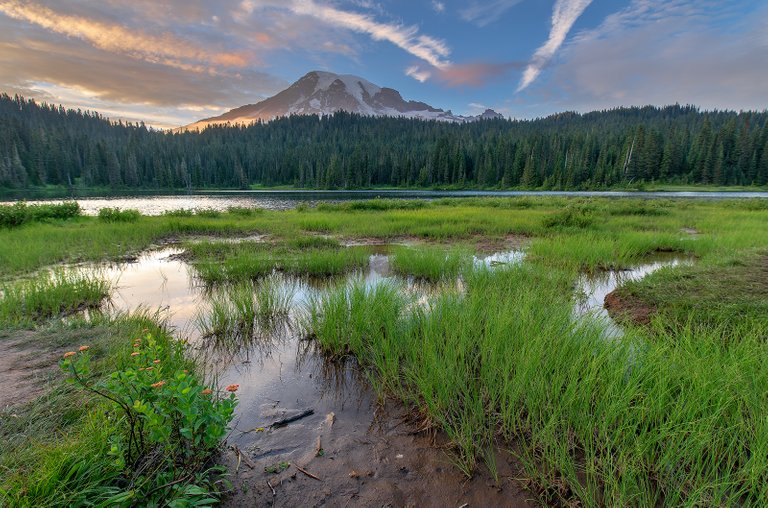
{"x": 492, "y": 356}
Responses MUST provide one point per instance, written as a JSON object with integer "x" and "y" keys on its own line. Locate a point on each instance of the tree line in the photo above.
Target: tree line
{"x": 43, "y": 144}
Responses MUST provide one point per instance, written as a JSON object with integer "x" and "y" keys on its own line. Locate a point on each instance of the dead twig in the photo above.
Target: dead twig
{"x": 272, "y": 489}
{"x": 307, "y": 473}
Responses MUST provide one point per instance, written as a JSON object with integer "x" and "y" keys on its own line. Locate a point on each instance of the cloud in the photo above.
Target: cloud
{"x": 564, "y": 15}
{"x": 710, "y": 54}
{"x": 432, "y": 50}
{"x": 475, "y": 73}
{"x": 417, "y": 73}
{"x": 485, "y": 13}
{"x": 166, "y": 49}
{"x": 437, "y": 6}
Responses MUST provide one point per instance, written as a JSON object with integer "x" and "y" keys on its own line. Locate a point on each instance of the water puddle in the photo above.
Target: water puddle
{"x": 591, "y": 289}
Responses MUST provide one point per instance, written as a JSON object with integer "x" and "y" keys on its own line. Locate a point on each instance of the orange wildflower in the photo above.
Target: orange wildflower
{"x": 84, "y": 348}
{"x": 145, "y": 369}
{"x": 135, "y": 353}
{"x": 207, "y": 391}
{"x": 232, "y": 388}
{"x": 69, "y": 354}
{"x": 158, "y": 384}
{"x": 156, "y": 362}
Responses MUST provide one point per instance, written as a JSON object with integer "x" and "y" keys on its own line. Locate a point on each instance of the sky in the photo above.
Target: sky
{"x": 169, "y": 63}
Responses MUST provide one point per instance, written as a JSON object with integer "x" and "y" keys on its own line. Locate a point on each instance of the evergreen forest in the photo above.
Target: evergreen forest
{"x": 43, "y": 144}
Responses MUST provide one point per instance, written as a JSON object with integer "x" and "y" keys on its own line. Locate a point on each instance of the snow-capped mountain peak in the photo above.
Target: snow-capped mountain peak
{"x": 325, "y": 93}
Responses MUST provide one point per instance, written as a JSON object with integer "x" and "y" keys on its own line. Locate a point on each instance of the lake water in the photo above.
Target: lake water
{"x": 287, "y": 199}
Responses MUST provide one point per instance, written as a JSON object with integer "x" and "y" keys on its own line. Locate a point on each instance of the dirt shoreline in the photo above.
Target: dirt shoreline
{"x": 384, "y": 461}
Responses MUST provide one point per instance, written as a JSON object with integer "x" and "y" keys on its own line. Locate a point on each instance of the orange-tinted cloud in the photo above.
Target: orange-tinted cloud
{"x": 165, "y": 49}
{"x": 473, "y": 74}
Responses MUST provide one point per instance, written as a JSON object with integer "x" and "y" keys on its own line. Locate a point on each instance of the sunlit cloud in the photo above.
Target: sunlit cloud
{"x": 564, "y": 15}
{"x": 165, "y": 49}
{"x": 430, "y": 49}
{"x": 437, "y": 6}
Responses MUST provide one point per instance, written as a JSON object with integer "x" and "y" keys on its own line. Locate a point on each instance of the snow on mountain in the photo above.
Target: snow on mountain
{"x": 324, "y": 93}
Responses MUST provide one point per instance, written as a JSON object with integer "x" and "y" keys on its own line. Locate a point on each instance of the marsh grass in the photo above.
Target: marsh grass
{"x": 432, "y": 263}
{"x": 729, "y": 295}
{"x": 633, "y": 421}
{"x": 221, "y": 262}
{"x": 239, "y": 311}
{"x": 50, "y": 294}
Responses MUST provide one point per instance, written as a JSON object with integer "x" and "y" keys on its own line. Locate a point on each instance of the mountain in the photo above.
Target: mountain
{"x": 324, "y": 93}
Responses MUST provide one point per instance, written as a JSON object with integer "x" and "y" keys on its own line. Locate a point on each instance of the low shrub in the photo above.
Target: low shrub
{"x": 118, "y": 215}
{"x": 21, "y": 213}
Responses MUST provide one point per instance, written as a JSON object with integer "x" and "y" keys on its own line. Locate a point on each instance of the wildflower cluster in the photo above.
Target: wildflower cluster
{"x": 172, "y": 421}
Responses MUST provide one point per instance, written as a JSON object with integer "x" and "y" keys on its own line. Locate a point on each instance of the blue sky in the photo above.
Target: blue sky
{"x": 169, "y": 63}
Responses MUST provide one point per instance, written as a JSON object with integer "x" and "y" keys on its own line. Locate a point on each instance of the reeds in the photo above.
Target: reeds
{"x": 48, "y": 295}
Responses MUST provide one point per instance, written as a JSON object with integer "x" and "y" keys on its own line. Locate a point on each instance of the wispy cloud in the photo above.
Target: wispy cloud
{"x": 564, "y": 15}
{"x": 437, "y": 6}
{"x": 484, "y": 13}
{"x": 665, "y": 51}
{"x": 166, "y": 49}
{"x": 417, "y": 73}
{"x": 430, "y": 49}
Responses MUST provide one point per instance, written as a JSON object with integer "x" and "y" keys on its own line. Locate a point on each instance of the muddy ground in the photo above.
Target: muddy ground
{"x": 381, "y": 460}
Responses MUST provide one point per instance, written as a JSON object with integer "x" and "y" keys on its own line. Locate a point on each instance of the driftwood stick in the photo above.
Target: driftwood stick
{"x": 290, "y": 419}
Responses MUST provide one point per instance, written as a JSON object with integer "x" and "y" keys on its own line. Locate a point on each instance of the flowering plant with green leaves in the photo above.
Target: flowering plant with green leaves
{"x": 173, "y": 421}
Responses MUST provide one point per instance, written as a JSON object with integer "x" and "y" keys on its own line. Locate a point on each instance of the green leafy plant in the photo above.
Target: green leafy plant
{"x": 172, "y": 422}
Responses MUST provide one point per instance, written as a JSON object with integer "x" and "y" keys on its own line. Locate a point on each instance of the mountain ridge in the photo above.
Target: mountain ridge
{"x": 325, "y": 93}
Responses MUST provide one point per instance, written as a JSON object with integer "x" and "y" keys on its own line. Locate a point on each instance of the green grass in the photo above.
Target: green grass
{"x": 430, "y": 263}
{"x": 731, "y": 224}
{"x": 237, "y": 312}
{"x": 48, "y": 295}
{"x": 222, "y": 262}
{"x": 728, "y": 296}
{"x": 636, "y": 422}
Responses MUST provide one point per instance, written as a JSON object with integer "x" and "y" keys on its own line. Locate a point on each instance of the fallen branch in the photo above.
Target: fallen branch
{"x": 307, "y": 473}
{"x": 290, "y": 419}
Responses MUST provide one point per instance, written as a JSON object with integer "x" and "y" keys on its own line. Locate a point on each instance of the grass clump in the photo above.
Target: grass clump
{"x": 118, "y": 215}
{"x": 639, "y": 423}
{"x": 240, "y": 310}
{"x": 431, "y": 263}
{"x": 20, "y": 213}
{"x": 48, "y": 295}
{"x": 220, "y": 262}
{"x": 571, "y": 217}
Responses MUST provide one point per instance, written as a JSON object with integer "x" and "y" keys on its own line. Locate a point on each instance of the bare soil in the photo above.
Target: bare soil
{"x": 622, "y": 307}
{"x": 25, "y": 369}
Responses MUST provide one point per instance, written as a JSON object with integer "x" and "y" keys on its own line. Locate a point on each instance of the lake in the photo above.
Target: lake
{"x": 287, "y": 199}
